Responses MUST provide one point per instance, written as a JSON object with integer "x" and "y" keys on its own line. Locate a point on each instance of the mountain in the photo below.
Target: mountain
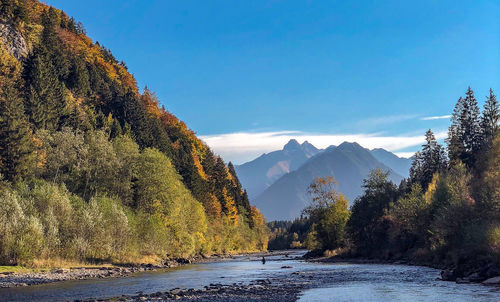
{"x": 258, "y": 174}
{"x": 399, "y": 165}
{"x": 349, "y": 163}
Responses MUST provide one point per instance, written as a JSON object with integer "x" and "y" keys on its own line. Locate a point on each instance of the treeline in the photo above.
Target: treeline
{"x": 288, "y": 234}
{"x": 94, "y": 169}
{"x": 447, "y": 212}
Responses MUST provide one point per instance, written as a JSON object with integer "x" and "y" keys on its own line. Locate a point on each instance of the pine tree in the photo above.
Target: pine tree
{"x": 490, "y": 119}
{"x": 52, "y": 44}
{"x": 78, "y": 79}
{"x": 17, "y": 150}
{"x": 464, "y": 135}
{"x": 431, "y": 160}
{"x": 44, "y": 92}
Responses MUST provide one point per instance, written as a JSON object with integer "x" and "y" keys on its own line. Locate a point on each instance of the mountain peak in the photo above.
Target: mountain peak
{"x": 309, "y": 149}
{"x": 349, "y": 146}
{"x": 307, "y": 144}
{"x": 292, "y": 144}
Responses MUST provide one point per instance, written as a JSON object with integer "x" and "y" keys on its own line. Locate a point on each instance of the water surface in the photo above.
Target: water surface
{"x": 337, "y": 282}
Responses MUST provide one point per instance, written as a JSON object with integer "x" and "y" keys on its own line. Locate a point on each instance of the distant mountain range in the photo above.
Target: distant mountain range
{"x": 277, "y": 182}
{"x": 258, "y": 174}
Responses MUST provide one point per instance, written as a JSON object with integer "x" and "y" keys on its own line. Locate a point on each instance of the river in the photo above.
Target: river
{"x": 335, "y": 281}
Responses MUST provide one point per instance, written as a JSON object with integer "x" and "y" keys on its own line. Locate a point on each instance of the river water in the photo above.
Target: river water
{"x": 336, "y": 282}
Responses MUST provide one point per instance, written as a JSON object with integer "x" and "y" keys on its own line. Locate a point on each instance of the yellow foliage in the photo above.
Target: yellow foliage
{"x": 230, "y": 207}
{"x": 431, "y": 189}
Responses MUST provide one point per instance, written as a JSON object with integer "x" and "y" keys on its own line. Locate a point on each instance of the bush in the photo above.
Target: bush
{"x": 21, "y": 236}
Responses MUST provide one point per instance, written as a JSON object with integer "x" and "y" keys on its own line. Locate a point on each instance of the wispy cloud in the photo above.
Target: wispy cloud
{"x": 386, "y": 120}
{"x": 440, "y": 117}
{"x": 240, "y": 147}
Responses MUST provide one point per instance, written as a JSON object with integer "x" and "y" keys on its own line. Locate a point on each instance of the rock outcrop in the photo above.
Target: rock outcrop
{"x": 14, "y": 41}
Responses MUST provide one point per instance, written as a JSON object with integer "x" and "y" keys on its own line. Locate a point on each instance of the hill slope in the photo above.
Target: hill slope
{"x": 349, "y": 163}
{"x": 398, "y": 164}
{"x": 80, "y": 142}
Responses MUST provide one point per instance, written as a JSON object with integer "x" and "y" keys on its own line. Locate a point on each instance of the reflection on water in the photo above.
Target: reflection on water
{"x": 339, "y": 282}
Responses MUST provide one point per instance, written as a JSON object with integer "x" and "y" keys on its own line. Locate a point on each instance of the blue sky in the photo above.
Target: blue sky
{"x": 248, "y": 75}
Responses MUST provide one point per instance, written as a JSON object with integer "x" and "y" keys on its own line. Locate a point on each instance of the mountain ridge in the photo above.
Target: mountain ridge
{"x": 348, "y": 162}
{"x": 261, "y": 172}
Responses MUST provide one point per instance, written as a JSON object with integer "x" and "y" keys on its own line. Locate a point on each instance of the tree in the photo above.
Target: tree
{"x": 328, "y": 213}
{"x": 367, "y": 234}
{"x": 17, "y": 146}
{"x": 464, "y": 135}
{"x": 490, "y": 119}
{"x": 410, "y": 214}
{"x": 431, "y": 160}
{"x": 44, "y": 93}
{"x": 50, "y": 41}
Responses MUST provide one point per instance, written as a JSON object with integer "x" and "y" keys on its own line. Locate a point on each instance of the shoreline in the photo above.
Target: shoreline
{"x": 59, "y": 274}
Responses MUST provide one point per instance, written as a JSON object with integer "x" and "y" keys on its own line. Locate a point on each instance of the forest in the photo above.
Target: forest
{"x": 446, "y": 213}
{"x": 91, "y": 168}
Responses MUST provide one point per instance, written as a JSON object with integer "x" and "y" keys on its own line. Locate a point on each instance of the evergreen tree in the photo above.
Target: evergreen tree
{"x": 431, "y": 160}
{"x": 78, "y": 79}
{"x": 17, "y": 150}
{"x": 464, "y": 135}
{"x": 240, "y": 197}
{"x": 490, "y": 119}
{"x": 51, "y": 42}
{"x": 44, "y": 92}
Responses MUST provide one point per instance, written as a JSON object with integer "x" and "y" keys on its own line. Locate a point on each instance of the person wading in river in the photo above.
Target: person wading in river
{"x": 263, "y": 260}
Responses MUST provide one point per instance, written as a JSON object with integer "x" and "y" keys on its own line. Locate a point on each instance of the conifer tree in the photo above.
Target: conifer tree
{"x": 50, "y": 41}
{"x": 44, "y": 92}
{"x": 430, "y": 160}
{"x": 78, "y": 79}
{"x": 17, "y": 150}
{"x": 490, "y": 119}
{"x": 464, "y": 135}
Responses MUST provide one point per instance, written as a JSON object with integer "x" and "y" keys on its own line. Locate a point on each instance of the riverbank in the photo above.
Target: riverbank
{"x": 26, "y": 277}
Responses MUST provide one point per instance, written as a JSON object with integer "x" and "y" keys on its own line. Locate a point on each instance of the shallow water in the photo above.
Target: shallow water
{"x": 339, "y": 282}
{"x": 384, "y": 283}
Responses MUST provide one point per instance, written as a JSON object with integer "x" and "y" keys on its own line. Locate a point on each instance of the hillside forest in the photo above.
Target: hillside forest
{"x": 92, "y": 169}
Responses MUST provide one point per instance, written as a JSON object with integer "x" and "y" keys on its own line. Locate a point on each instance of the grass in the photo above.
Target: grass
{"x": 41, "y": 265}
{"x": 15, "y": 269}
{"x": 47, "y": 265}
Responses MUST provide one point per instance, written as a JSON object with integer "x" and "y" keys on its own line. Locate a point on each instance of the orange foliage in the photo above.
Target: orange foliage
{"x": 198, "y": 166}
{"x": 230, "y": 207}
{"x": 257, "y": 217}
{"x": 212, "y": 206}
{"x": 151, "y": 103}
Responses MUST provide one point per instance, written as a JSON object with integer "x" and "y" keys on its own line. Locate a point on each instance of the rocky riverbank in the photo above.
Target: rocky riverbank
{"x": 11, "y": 279}
{"x": 279, "y": 288}
{"x": 14, "y": 279}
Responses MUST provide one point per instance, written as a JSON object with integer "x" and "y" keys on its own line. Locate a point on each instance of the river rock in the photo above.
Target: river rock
{"x": 492, "y": 281}
{"x": 448, "y": 275}
{"x": 475, "y": 277}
